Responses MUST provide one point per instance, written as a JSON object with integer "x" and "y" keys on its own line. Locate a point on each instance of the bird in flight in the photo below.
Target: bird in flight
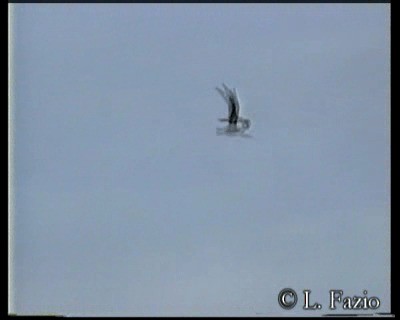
{"x": 232, "y": 99}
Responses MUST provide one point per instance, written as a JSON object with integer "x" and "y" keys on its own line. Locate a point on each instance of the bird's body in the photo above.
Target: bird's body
{"x": 232, "y": 99}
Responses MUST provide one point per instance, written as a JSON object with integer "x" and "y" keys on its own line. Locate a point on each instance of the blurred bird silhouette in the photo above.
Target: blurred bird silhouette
{"x": 231, "y": 97}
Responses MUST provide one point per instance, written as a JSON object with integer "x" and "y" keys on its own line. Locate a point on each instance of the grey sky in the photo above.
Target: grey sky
{"x": 128, "y": 203}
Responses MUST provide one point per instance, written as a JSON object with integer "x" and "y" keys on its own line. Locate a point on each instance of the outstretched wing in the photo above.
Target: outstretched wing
{"x": 223, "y": 94}
{"x": 227, "y": 90}
{"x": 233, "y": 94}
{"x": 231, "y": 97}
{"x": 227, "y": 97}
{"x": 236, "y": 99}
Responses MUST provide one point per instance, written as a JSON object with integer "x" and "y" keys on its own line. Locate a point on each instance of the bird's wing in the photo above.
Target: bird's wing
{"x": 223, "y": 94}
{"x": 236, "y": 98}
{"x": 230, "y": 94}
{"x": 228, "y": 91}
{"x": 227, "y": 97}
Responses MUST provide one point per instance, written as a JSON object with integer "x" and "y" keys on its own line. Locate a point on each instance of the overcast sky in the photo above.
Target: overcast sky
{"x": 128, "y": 203}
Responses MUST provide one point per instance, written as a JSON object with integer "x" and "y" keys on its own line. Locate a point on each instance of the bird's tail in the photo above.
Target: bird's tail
{"x": 246, "y": 123}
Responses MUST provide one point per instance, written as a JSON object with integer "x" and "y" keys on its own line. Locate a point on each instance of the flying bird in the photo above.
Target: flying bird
{"x": 231, "y": 97}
